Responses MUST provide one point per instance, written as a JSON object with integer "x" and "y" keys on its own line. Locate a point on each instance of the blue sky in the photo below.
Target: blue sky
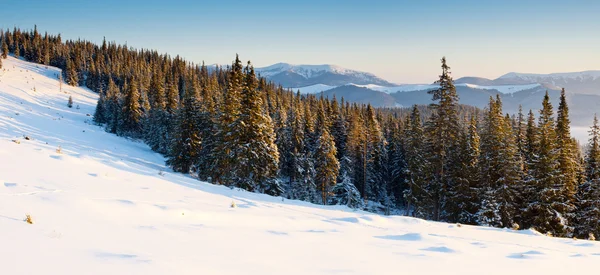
{"x": 401, "y": 41}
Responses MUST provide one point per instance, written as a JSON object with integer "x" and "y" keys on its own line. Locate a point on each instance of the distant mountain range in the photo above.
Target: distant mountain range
{"x": 527, "y": 90}
{"x": 306, "y": 75}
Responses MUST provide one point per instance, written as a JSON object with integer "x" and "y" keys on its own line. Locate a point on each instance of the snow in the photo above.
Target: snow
{"x": 400, "y": 88}
{"x": 101, "y": 207}
{"x": 310, "y": 71}
{"x": 313, "y": 89}
{"x": 594, "y": 74}
{"x": 503, "y": 89}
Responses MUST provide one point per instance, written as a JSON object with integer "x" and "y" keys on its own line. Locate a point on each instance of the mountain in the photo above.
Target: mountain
{"x": 306, "y": 75}
{"x": 104, "y": 204}
{"x": 587, "y": 82}
{"x": 362, "y": 95}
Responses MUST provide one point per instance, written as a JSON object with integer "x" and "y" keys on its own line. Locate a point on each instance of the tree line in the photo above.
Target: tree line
{"x": 444, "y": 162}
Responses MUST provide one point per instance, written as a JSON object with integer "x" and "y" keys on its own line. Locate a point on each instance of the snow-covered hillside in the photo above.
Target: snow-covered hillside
{"x": 107, "y": 205}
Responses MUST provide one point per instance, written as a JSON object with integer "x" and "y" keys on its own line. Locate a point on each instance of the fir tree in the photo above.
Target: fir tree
{"x": 501, "y": 169}
{"x": 375, "y": 159}
{"x": 251, "y": 159}
{"x": 113, "y": 107}
{"x": 463, "y": 203}
{"x": 17, "y": 50}
{"x": 344, "y": 192}
{"x": 326, "y": 165}
{"x": 568, "y": 164}
{"x": 442, "y": 133}
{"x": 186, "y": 143}
{"x": 4, "y": 49}
{"x": 416, "y": 196}
{"x": 588, "y": 195}
{"x": 131, "y": 120}
{"x": 100, "y": 112}
{"x": 549, "y": 208}
{"x": 71, "y": 74}
{"x": 227, "y": 135}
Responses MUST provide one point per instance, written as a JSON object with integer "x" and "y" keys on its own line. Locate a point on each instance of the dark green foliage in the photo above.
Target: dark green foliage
{"x": 4, "y": 49}
{"x": 588, "y": 196}
{"x": 500, "y": 168}
{"x": 442, "y": 138}
{"x": 131, "y": 119}
{"x": 549, "y": 207}
{"x": 186, "y": 142}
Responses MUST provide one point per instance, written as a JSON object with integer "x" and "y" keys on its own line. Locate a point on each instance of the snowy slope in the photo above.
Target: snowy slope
{"x": 313, "y": 89}
{"x": 101, "y": 207}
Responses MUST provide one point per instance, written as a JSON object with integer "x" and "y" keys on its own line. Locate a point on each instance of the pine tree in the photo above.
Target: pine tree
{"x": 251, "y": 157}
{"x": 100, "y": 112}
{"x": 326, "y": 165}
{"x": 4, "y": 49}
{"x": 463, "y": 202}
{"x": 172, "y": 98}
{"x": 186, "y": 143}
{"x": 442, "y": 133}
{"x": 131, "y": 121}
{"x": 344, "y": 192}
{"x": 71, "y": 74}
{"x": 500, "y": 167}
{"x": 227, "y": 134}
{"x": 549, "y": 207}
{"x": 17, "y": 50}
{"x": 568, "y": 164}
{"x": 396, "y": 164}
{"x": 416, "y": 196}
{"x": 113, "y": 107}
{"x": 375, "y": 158}
{"x": 588, "y": 195}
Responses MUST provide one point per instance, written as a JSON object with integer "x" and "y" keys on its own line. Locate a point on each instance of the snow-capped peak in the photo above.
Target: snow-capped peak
{"x": 535, "y": 77}
{"x": 308, "y": 71}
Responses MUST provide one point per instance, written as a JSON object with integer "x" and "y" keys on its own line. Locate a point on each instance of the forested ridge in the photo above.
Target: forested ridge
{"x": 443, "y": 162}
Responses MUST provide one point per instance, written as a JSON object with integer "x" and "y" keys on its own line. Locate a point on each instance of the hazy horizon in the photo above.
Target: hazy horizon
{"x": 399, "y": 41}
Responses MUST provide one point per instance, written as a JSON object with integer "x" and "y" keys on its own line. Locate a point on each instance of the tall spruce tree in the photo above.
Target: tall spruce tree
{"x": 417, "y": 198}
{"x": 186, "y": 143}
{"x": 227, "y": 135}
{"x": 251, "y": 160}
{"x": 588, "y": 195}
{"x": 442, "y": 135}
{"x": 568, "y": 162}
{"x": 463, "y": 203}
{"x": 326, "y": 165}
{"x": 549, "y": 207}
{"x": 131, "y": 120}
{"x": 71, "y": 74}
{"x": 4, "y": 48}
{"x": 500, "y": 169}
